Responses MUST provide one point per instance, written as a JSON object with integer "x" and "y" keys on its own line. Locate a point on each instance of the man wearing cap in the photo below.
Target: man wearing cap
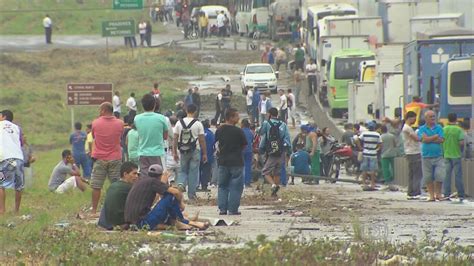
{"x": 369, "y": 142}
{"x": 140, "y": 200}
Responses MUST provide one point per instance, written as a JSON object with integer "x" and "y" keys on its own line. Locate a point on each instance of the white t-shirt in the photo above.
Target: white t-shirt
{"x": 249, "y": 97}
{"x": 47, "y": 22}
{"x": 311, "y": 69}
{"x": 219, "y": 96}
{"x": 116, "y": 103}
{"x": 142, "y": 28}
{"x": 293, "y": 99}
{"x": 220, "y": 20}
{"x": 411, "y": 146}
{"x": 263, "y": 107}
{"x": 197, "y": 129}
{"x": 132, "y": 104}
{"x": 283, "y": 102}
{"x": 10, "y": 144}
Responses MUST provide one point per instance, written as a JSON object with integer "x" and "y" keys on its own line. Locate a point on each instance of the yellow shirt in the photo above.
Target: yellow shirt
{"x": 203, "y": 21}
{"x": 417, "y": 108}
{"x": 89, "y": 142}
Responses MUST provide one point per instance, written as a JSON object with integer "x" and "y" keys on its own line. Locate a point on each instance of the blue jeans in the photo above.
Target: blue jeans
{"x": 189, "y": 171}
{"x": 255, "y": 114}
{"x": 83, "y": 161}
{"x": 283, "y": 177}
{"x": 164, "y": 212}
{"x": 453, "y": 165}
{"x": 231, "y": 185}
{"x": 248, "y": 156}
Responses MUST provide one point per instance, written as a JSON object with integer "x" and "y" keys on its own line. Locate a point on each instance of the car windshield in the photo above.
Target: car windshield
{"x": 347, "y": 67}
{"x": 259, "y": 69}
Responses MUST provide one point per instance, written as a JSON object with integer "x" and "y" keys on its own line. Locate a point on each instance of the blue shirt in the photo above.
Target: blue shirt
{"x": 432, "y": 149}
{"x": 210, "y": 141}
{"x": 256, "y": 98}
{"x": 284, "y": 134}
{"x": 301, "y": 161}
{"x": 78, "y": 140}
{"x": 271, "y": 58}
{"x": 249, "y": 137}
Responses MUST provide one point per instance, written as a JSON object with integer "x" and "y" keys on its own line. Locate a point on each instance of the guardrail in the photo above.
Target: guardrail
{"x": 201, "y": 43}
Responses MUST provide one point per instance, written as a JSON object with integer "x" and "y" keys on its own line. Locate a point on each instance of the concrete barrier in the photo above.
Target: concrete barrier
{"x": 320, "y": 116}
{"x": 401, "y": 174}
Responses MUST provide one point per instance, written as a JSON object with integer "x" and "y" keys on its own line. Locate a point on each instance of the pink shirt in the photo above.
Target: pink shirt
{"x": 107, "y": 132}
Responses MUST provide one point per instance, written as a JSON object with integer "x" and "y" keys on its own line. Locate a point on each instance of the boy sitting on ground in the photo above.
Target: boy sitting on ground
{"x": 66, "y": 175}
{"x": 113, "y": 211}
{"x": 168, "y": 211}
{"x": 300, "y": 163}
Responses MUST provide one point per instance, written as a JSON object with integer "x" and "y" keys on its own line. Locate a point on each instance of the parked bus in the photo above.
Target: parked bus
{"x": 251, "y": 16}
{"x": 342, "y": 68}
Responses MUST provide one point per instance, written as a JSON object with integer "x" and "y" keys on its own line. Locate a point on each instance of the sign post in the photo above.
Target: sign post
{"x": 127, "y": 4}
{"x": 87, "y": 94}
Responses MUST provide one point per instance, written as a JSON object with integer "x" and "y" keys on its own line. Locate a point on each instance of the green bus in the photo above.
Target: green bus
{"x": 343, "y": 67}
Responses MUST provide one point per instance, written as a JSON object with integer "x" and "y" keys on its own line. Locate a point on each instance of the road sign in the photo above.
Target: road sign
{"x": 118, "y": 28}
{"x": 88, "y": 94}
{"x": 127, "y": 4}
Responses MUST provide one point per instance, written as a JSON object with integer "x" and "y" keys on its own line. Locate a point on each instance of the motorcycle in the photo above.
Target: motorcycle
{"x": 341, "y": 155}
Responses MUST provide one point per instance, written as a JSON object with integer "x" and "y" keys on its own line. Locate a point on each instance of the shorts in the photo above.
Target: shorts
{"x": 369, "y": 164}
{"x": 68, "y": 184}
{"x": 272, "y": 166}
{"x": 103, "y": 169}
{"x": 11, "y": 174}
{"x": 434, "y": 169}
{"x": 147, "y": 161}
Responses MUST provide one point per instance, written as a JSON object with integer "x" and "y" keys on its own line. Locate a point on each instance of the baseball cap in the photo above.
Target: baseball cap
{"x": 371, "y": 125}
{"x": 155, "y": 170}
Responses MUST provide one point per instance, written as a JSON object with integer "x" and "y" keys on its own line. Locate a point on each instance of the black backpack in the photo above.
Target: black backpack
{"x": 274, "y": 142}
{"x": 187, "y": 142}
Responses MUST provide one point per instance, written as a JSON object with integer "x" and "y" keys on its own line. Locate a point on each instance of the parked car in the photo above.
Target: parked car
{"x": 261, "y": 76}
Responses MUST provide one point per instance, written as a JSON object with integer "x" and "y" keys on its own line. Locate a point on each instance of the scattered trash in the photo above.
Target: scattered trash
{"x": 26, "y": 217}
{"x": 222, "y": 222}
{"x": 297, "y": 214}
{"x": 279, "y": 212}
{"x": 209, "y": 59}
{"x": 62, "y": 224}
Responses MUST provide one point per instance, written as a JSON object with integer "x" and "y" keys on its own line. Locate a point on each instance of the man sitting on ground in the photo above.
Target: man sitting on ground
{"x": 168, "y": 211}
{"x": 113, "y": 211}
{"x": 66, "y": 175}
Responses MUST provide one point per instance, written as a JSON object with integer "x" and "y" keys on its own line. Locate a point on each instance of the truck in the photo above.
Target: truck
{"x": 351, "y": 25}
{"x": 280, "y": 14}
{"x": 343, "y": 67}
{"x": 459, "y": 6}
{"x": 361, "y": 97}
{"x": 422, "y": 24}
{"x": 396, "y": 16}
{"x": 454, "y": 86}
{"x": 423, "y": 59}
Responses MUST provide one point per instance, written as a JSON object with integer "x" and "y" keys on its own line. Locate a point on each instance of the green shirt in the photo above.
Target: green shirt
{"x": 299, "y": 55}
{"x": 453, "y": 134}
{"x": 389, "y": 145}
{"x": 150, "y": 127}
{"x": 132, "y": 144}
{"x": 114, "y": 204}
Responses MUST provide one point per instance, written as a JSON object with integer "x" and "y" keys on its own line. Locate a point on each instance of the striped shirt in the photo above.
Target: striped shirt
{"x": 370, "y": 140}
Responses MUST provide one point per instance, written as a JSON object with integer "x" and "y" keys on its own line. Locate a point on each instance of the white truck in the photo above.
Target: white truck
{"x": 422, "y": 24}
{"x": 352, "y": 25}
{"x": 361, "y": 96}
{"x": 279, "y": 15}
{"x": 396, "y": 16}
{"x": 459, "y": 6}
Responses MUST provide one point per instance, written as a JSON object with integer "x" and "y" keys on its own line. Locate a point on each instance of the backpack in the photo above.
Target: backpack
{"x": 274, "y": 142}
{"x": 289, "y": 102}
{"x": 187, "y": 142}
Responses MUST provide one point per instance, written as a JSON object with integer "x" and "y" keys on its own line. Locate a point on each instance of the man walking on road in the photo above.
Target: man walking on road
{"x": 11, "y": 160}
{"x": 431, "y": 135}
{"x": 221, "y": 24}
{"x": 48, "y": 28}
{"x": 231, "y": 142}
{"x": 275, "y": 144}
{"x": 311, "y": 72}
{"x": 413, "y": 155}
{"x": 283, "y": 106}
{"x": 107, "y": 131}
{"x": 152, "y": 131}
{"x": 453, "y": 141}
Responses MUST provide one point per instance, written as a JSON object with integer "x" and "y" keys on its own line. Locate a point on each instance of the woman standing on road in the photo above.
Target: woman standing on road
{"x": 314, "y": 150}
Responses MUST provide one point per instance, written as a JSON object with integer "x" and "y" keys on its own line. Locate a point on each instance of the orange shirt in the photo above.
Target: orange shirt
{"x": 416, "y": 107}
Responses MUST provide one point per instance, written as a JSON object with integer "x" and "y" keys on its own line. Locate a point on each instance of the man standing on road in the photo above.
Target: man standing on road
{"x": 311, "y": 72}
{"x": 275, "y": 144}
{"x": 11, "y": 160}
{"x": 188, "y": 132}
{"x": 264, "y": 106}
{"x": 283, "y": 106}
{"x": 249, "y": 102}
{"x": 255, "y": 102}
{"x": 298, "y": 77}
{"x": 116, "y": 104}
{"x": 412, "y": 150}
{"x": 196, "y": 99}
{"x": 291, "y": 107}
{"x": 281, "y": 59}
{"x": 454, "y": 140}
{"x": 221, "y": 24}
{"x": 226, "y": 100}
{"x": 132, "y": 106}
{"x": 299, "y": 57}
{"x": 78, "y": 142}
{"x": 389, "y": 152}
{"x": 203, "y": 24}
{"x": 148, "y": 33}
{"x": 431, "y": 135}
{"x": 152, "y": 131}
{"x": 231, "y": 142}
{"x": 218, "y": 116}
{"x": 48, "y": 28}
{"x": 370, "y": 143}
{"x": 107, "y": 131}
{"x": 142, "y": 32}
{"x": 417, "y": 106}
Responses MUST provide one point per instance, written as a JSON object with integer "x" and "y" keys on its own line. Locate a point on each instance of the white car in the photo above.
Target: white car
{"x": 261, "y": 76}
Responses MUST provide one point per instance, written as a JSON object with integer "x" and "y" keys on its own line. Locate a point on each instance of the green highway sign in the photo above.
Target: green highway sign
{"x": 127, "y": 4}
{"x": 118, "y": 28}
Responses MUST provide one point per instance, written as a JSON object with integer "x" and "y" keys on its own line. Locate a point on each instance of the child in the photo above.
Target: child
{"x": 300, "y": 163}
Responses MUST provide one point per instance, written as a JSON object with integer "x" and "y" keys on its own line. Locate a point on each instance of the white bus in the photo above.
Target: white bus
{"x": 251, "y": 16}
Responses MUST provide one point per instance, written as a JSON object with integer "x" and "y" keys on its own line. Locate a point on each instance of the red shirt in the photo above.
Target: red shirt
{"x": 107, "y": 132}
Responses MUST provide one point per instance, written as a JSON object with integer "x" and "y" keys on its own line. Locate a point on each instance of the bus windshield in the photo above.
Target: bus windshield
{"x": 460, "y": 84}
{"x": 348, "y": 67}
{"x": 260, "y": 3}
